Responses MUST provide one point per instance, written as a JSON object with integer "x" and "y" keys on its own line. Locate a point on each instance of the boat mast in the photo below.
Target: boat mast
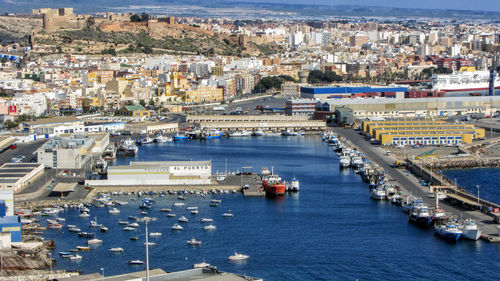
{"x": 226, "y": 168}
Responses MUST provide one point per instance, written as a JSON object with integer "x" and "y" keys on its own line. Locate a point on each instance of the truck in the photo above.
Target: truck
{"x": 219, "y": 108}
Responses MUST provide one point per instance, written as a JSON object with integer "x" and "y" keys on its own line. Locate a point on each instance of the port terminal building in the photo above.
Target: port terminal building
{"x": 254, "y": 122}
{"x": 157, "y": 173}
{"x": 421, "y": 132}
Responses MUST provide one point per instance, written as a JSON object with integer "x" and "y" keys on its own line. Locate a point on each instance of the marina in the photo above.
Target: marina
{"x": 354, "y": 217}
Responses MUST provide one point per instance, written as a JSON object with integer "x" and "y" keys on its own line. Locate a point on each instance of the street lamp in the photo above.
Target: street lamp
{"x": 146, "y": 220}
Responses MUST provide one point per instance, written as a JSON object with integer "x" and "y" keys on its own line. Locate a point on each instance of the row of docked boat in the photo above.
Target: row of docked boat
{"x": 418, "y": 213}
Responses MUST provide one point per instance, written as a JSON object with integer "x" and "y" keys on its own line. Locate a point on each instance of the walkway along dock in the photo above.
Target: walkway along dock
{"x": 411, "y": 184}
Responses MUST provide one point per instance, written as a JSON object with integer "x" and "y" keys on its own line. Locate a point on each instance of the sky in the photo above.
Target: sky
{"x": 484, "y": 5}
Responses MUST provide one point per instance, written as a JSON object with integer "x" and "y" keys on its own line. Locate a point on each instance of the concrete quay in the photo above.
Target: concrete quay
{"x": 410, "y": 184}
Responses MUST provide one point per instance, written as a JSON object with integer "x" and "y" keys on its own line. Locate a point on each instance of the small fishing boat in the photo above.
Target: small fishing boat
{"x": 74, "y": 229}
{"x": 84, "y": 215}
{"x": 228, "y": 215}
{"x": 94, "y": 241}
{"x": 150, "y": 244}
{"x": 238, "y": 257}
{"x": 448, "y": 232}
{"x": 209, "y": 227}
{"x": 83, "y": 248}
{"x": 113, "y": 211}
{"x": 171, "y": 215}
{"x": 128, "y": 228}
{"x": 201, "y": 265}
{"x": 123, "y": 222}
{"x": 104, "y": 229}
{"x": 193, "y": 242}
{"x": 177, "y": 227}
{"x": 183, "y": 219}
{"x": 165, "y": 210}
{"x": 203, "y": 220}
{"x": 192, "y": 208}
{"x": 117, "y": 249}
{"x": 75, "y": 257}
{"x": 470, "y": 230}
{"x": 86, "y": 234}
{"x": 64, "y": 253}
{"x": 70, "y": 226}
{"x": 135, "y": 262}
{"x": 133, "y": 224}
{"x": 194, "y": 212}
{"x": 55, "y": 226}
{"x": 153, "y": 234}
{"x": 179, "y": 204}
{"x": 94, "y": 223}
{"x": 134, "y": 238}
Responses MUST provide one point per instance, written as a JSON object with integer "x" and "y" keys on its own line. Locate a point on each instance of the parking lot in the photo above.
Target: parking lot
{"x": 25, "y": 150}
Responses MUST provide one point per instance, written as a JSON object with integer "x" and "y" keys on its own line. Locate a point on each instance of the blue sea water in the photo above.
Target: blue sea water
{"x": 486, "y": 178}
{"x": 332, "y": 230}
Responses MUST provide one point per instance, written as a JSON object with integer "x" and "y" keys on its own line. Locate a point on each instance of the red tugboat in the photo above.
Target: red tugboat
{"x": 273, "y": 185}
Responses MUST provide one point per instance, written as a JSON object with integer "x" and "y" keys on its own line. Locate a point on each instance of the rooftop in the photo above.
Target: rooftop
{"x": 135, "y": 107}
{"x": 54, "y": 120}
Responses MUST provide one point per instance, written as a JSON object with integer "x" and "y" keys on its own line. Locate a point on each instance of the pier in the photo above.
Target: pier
{"x": 411, "y": 185}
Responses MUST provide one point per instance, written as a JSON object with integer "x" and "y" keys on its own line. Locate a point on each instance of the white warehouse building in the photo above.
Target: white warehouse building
{"x": 158, "y": 173}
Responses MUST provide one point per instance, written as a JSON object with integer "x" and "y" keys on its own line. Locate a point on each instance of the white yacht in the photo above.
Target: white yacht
{"x": 345, "y": 161}
{"x": 94, "y": 241}
{"x": 114, "y": 211}
{"x": 259, "y": 133}
{"x": 155, "y": 234}
{"x": 470, "y": 230}
{"x": 183, "y": 219}
{"x": 294, "y": 184}
{"x": 228, "y": 214}
{"x": 206, "y": 220}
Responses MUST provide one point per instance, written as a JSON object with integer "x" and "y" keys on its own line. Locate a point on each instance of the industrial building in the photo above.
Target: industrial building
{"x": 411, "y": 108}
{"x": 66, "y": 153}
{"x": 158, "y": 173}
{"x": 10, "y": 226}
{"x": 422, "y": 132}
{"x": 15, "y": 176}
{"x": 339, "y": 92}
{"x": 300, "y": 107}
{"x": 253, "y": 122}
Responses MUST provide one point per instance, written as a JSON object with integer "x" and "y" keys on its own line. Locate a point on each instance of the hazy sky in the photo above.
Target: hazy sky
{"x": 485, "y": 5}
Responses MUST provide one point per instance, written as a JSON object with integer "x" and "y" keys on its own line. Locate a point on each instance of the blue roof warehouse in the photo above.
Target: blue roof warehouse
{"x": 326, "y": 92}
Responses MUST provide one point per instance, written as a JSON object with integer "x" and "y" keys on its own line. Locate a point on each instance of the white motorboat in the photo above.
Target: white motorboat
{"x": 238, "y": 257}
{"x": 203, "y": 220}
{"x": 153, "y": 234}
{"x": 84, "y": 215}
{"x": 74, "y": 229}
{"x": 94, "y": 241}
{"x": 171, "y": 215}
{"x": 201, "y": 265}
{"x": 133, "y": 224}
{"x": 94, "y": 223}
{"x": 114, "y": 211}
{"x": 177, "y": 227}
{"x": 345, "y": 161}
{"x": 470, "y": 230}
{"x": 123, "y": 222}
{"x": 228, "y": 214}
{"x": 193, "y": 242}
{"x": 242, "y": 133}
{"x": 259, "y": 133}
{"x": 378, "y": 193}
{"x": 151, "y": 244}
{"x": 117, "y": 249}
{"x": 179, "y": 204}
{"x": 75, "y": 257}
{"x": 292, "y": 133}
{"x": 128, "y": 228}
{"x": 104, "y": 229}
{"x": 192, "y": 208}
{"x": 165, "y": 210}
{"x": 183, "y": 219}
{"x": 194, "y": 212}
{"x": 135, "y": 262}
{"x": 162, "y": 139}
{"x": 209, "y": 227}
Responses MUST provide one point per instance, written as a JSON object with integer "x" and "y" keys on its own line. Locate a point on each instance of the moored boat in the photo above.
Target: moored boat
{"x": 193, "y": 241}
{"x": 470, "y": 230}
{"x": 448, "y": 232}
{"x": 274, "y": 186}
{"x": 237, "y": 257}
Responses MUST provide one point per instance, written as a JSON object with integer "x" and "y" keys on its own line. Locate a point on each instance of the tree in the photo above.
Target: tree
{"x": 317, "y": 76}
{"x": 144, "y": 17}
{"x": 10, "y": 124}
{"x": 142, "y": 102}
{"x": 129, "y": 102}
{"x": 226, "y": 41}
{"x": 151, "y": 102}
{"x": 135, "y": 18}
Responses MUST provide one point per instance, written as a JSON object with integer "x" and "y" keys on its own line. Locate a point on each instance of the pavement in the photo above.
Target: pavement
{"x": 409, "y": 182}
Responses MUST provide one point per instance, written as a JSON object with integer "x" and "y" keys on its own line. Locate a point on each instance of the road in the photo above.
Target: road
{"x": 409, "y": 182}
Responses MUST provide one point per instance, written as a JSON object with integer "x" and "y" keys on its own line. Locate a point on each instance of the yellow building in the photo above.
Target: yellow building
{"x": 204, "y": 94}
{"x": 479, "y": 133}
{"x": 426, "y": 138}
{"x": 136, "y": 111}
{"x": 368, "y": 125}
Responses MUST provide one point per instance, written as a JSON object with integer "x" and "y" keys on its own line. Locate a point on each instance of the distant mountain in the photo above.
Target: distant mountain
{"x": 241, "y": 9}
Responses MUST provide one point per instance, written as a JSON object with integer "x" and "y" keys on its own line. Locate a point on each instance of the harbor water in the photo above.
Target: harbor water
{"x": 469, "y": 179}
{"x": 331, "y": 230}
